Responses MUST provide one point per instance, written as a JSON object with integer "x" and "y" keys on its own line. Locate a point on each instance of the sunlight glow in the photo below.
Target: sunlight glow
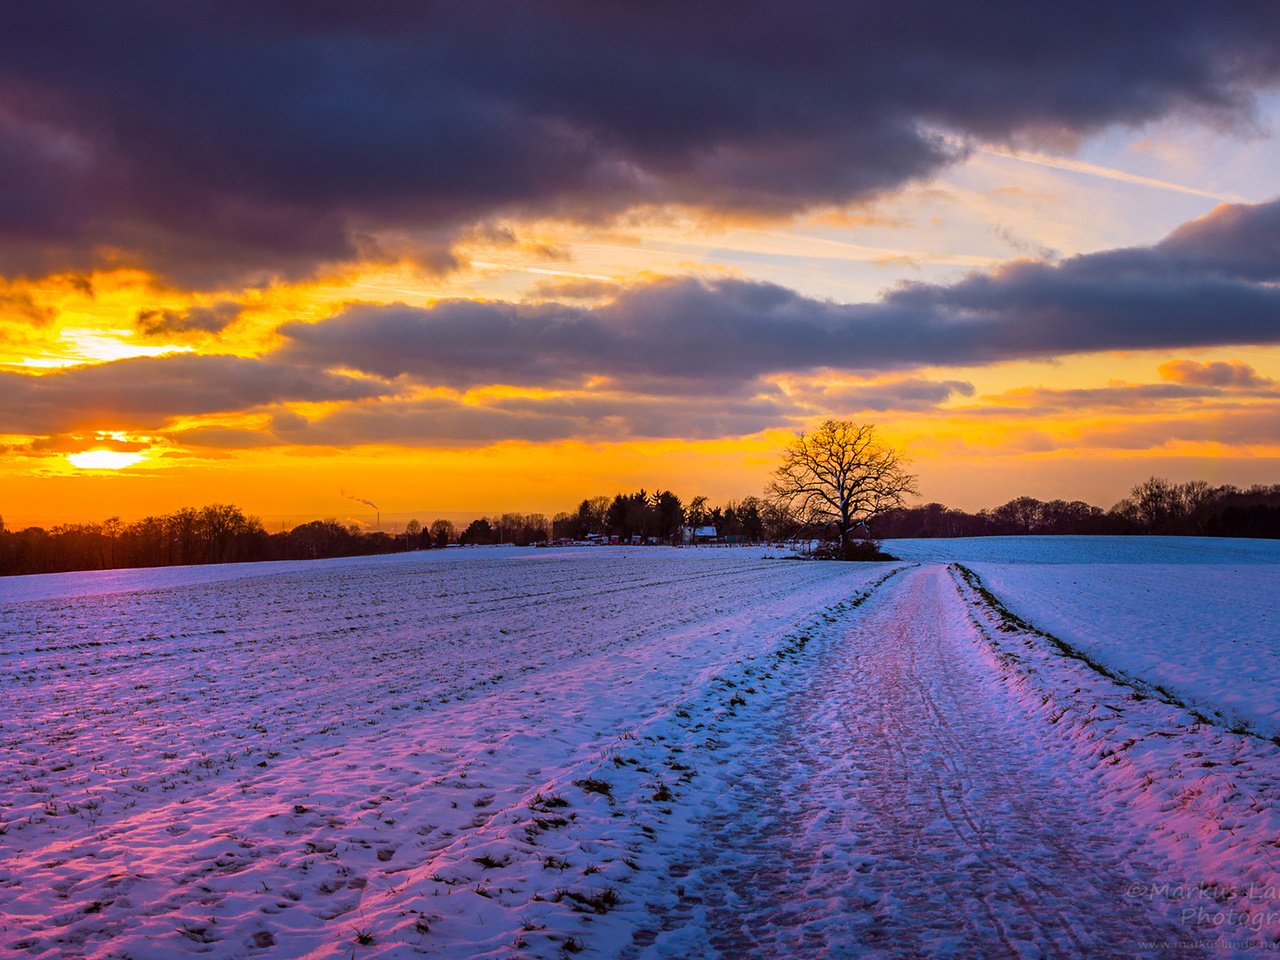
{"x": 105, "y": 345}
{"x": 104, "y": 459}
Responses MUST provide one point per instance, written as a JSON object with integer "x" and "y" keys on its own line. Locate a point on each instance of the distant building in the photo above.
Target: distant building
{"x": 697, "y": 534}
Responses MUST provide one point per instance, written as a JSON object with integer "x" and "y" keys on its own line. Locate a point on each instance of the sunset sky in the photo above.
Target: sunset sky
{"x": 464, "y": 258}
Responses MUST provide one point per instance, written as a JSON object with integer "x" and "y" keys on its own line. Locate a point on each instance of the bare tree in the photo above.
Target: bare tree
{"x": 841, "y": 475}
{"x": 442, "y": 532}
{"x": 1152, "y": 505}
{"x": 218, "y": 525}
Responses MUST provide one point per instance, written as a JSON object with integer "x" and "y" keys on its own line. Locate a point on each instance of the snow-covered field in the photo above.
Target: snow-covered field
{"x": 1198, "y": 617}
{"x": 1090, "y": 550}
{"x": 646, "y": 753}
{"x": 232, "y": 760}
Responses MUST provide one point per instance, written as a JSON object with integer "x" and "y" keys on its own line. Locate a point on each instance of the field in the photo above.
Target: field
{"x": 1207, "y": 633}
{"x": 1014, "y": 747}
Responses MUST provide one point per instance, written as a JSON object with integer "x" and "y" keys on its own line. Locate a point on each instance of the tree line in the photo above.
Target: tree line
{"x": 223, "y": 533}
{"x": 664, "y": 517}
{"x": 216, "y": 533}
{"x": 1155, "y": 506}
{"x": 660, "y": 516}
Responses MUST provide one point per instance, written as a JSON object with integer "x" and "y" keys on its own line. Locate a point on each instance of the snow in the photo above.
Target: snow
{"x": 903, "y": 809}
{"x": 1089, "y": 550}
{"x": 645, "y": 753}
{"x": 1207, "y": 633}
{"x": 52, "y": 586}
{"x": 234, "y": 762}
{"x": 1204, "y": 798}
{"x": 1197, "y": 618}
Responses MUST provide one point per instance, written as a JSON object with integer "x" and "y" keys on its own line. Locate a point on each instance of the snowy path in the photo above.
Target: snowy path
{"x": 893, "y": 808}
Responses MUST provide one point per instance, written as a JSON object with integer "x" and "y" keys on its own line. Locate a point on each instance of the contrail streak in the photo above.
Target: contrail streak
{"x": 1109, "y": 173}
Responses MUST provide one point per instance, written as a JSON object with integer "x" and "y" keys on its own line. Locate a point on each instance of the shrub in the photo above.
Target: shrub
{"x": 858, "y": 551}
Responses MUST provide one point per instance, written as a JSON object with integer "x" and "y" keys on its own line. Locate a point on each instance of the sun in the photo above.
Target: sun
{"x": 103, "y": 459}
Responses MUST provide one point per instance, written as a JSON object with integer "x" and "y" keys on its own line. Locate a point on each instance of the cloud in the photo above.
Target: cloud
{"x": 224, "y": 438}
{"x": 685, "y": 357}
{"x": 1238, "y": 240}
{"x": 264, "y": 139}
{"x": 145, "y": 392}
{"x": 650, "y": 410}
{"x": 1126, "y": 397}
{"x": 1219, "y": 373}
{"x": 22, "y": 307}
{"x": 1198, "y": 287}
{"x": 193, "y": 320}
{"x": 572, "y": 289}
{"x": 1224, "y": 383}
{"x": 74, "y": 443}
{"x": 909, "y": 394}
{"x": 1258, "y": 426}
{"x": 451, "y": 422}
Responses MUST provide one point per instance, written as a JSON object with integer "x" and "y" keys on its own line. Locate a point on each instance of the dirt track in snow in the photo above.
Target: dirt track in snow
{"x": 897, "y": 809}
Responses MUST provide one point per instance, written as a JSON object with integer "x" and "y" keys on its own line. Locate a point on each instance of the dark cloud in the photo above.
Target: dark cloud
{"x": 905, "y": 394}
{"x": 1174, "y": 294}
{"x": 225, "y": 438}
{"x": 1238, "y": 240}
{"x": 1131, "y": 397}
{"x": 652, "y": 411}
{"x": 144, "y": 392}
{"x": 443, "y": 421}
{"x": 456, "y": 342}
{"x": 193, "y": 320}
{"x": 74, "y": 443}
{"x": 686, "y": 358}
{"x": 1219, "y": 373}
{"x": 249, "y": 139}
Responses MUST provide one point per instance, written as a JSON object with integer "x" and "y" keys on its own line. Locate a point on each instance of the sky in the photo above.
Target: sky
{"x": 455, "y": 259}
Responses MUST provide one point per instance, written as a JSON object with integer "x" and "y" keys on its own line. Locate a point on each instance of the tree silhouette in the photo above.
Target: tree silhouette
{"x": 442, "y": 532}
{"x": 840, "y": 475}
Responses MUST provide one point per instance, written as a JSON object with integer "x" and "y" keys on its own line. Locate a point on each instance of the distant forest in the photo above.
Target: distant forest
{"x": 1155, "y": 506}
{"x": 222, "y": 533}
